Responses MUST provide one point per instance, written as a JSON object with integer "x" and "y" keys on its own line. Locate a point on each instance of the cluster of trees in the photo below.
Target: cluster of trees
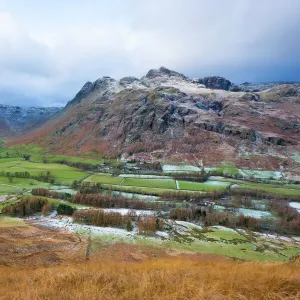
{"x": 78, "y": 165}
{"x": 289, "y": 217}
{"x": 289, "y": 222}
{"x": 51, "y": 194}
{"x": 43, "y": 176}
{"x": 194, "y": 176}
{"x": 28, "y": 206}
{"x": 110, "y": 201}
{"x": 87, "y": 187}
{"x": 147, "y": 224}
{"x": 191, "y": 197}
{"x": 98, "y": 217}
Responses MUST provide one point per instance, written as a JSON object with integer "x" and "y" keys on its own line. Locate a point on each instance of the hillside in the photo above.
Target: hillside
{"x": 15, "y": 120}
{"x": 37, "y": 262}
{"x": 168, "y": 116}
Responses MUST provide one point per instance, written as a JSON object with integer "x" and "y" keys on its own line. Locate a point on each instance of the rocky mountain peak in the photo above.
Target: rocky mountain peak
{"x": 105, "y": 82}
{"x": 162, "y": 71}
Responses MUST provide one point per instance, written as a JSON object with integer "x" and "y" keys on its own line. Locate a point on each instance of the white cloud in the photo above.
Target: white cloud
{"x": 48, "y": 50}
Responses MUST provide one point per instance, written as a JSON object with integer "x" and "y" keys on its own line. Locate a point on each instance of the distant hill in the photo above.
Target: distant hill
{"x": 15, "y": 120}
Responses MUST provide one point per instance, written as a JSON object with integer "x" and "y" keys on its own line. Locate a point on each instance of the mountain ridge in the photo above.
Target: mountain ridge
{"x": 16, "y": 120}
{"x": 166, "y": 115}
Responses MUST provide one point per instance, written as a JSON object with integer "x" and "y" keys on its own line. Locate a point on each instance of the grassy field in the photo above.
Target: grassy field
{"x": 283, "y": 191}
{"x": 39, "y": 155}
{"x": 136, "y": 189}
{"x": 203, "y": 186}
{"x": 62, "y": 173}
{"x": 155, "y": 183}
{"x": 104, "y": 178}
{"x": 132, "y": 182}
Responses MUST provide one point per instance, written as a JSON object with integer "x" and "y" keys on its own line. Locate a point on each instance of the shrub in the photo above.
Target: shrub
{"x": 27, "y": 207}
{"x": 148, "y": 224}
{"x": 98, "y": 217}
{"x": 65, "y": 209}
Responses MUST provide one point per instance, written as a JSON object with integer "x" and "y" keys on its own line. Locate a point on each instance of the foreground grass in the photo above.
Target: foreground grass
{"x": 191, "y": 278}
{"x": 11, "y": 222}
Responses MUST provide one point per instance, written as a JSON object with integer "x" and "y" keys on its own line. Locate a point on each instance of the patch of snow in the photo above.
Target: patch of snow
{"x": 295, "y": 205}
{"x": 255, "y": 213}
{"x": 2, "y": 198}
{"x": 223, "y": 228}
{"x": 180, "y": 168}
{"x": 64, "y": 190}
{"x": 125, "y": 211}
{"x": 188, "y": 224}
{"x": 67, "y": 224}
{"x": 264, "y": 174}
{"x": 162, "y": 234}
{"x": 219, "y": 183}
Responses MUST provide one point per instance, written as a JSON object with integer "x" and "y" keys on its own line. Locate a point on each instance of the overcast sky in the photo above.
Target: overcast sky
{"x": 49, "y": 49}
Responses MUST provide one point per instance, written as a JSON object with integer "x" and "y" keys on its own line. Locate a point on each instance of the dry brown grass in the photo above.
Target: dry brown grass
{"x": 165, "y": 279}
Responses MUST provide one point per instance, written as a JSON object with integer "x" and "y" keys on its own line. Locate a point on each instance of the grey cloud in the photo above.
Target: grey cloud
{"x": 242, "y": 40}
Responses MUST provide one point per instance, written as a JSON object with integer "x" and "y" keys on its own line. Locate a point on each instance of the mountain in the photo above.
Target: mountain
{"x": 15, "y": 120}
{"x": 168, "y": 116}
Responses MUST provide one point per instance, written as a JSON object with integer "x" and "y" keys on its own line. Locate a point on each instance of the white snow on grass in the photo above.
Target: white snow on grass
{"x": 2, "y": 198}
{"x": 223, "y": 228}
{"x": 295, "y": 205}
{"x": 64, "y": 190}
{"x": 125, "y": 211}
{"x": 260, "y": 174}
{"x": 259, "y": 214}
{"x": 162, "y": 234}
{"x": 67, "y": 224}
{"x": 218, "y": 183}
{"x": 180, "y": 168}
{"x": 188, "y": 224}
{"x": 208, "y": 169}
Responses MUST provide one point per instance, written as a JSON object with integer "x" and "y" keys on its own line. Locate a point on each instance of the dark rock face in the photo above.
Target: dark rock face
{"x": 162, "y": 71}
{"x": 216, "y": 82}
{"x": 18, "y": 120}
{"x": 128, "y": 80}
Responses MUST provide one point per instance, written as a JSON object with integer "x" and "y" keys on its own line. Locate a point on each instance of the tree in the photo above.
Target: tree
{"x": 27, "y": 157}
{"x": 129, "y": 226}
{"x": 10, "y": 178}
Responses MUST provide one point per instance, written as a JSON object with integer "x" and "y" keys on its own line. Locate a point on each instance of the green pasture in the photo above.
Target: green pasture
{"x": 104, "y": 178}
{"x": 207, "y": 186}
{"x": 152, "y": 183}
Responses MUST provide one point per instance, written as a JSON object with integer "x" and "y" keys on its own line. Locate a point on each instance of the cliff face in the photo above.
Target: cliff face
{"x": 167, "y": 112}
{"x": 15, "y": 120}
